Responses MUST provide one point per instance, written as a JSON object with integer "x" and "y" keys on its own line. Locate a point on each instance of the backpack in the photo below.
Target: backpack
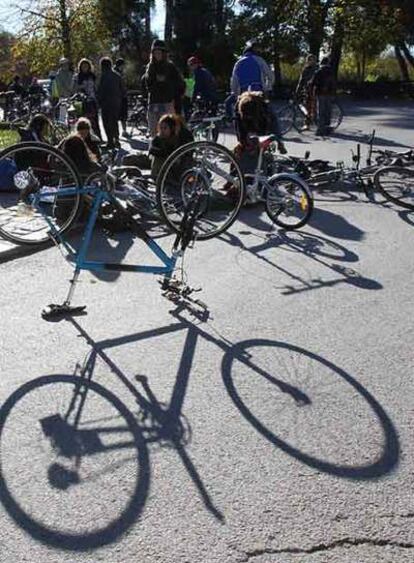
{"x": 7, "y": 171}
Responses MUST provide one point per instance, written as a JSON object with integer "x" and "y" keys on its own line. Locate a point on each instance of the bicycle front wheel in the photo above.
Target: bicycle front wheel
{"x": 206, "y": 171}
{"x": 396, "y": 184}
{"x": 40, "y": 197}
{"x": 289, "y": 203}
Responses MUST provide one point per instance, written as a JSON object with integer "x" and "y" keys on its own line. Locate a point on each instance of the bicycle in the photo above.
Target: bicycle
{"x": 295, "y": 114}
{"x": 287, "y": 197}
{"x": 49, "y": 197}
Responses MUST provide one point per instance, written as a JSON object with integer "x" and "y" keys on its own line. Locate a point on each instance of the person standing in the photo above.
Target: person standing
{"x": 164, "y": 85}
{"x": 251, "y": 72}
{"x": 63, "y": 82}
{"x": 84, "y": 82}
{"x": 323, "y": 86}
{"x": 110, "y": 94}
{"x": 304, "y": 89}
{"x": 17, "y": 87}
{"x": 123, "y": 116}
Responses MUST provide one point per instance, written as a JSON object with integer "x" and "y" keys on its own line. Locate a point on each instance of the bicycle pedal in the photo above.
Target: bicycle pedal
{"x": 56, "y": 312}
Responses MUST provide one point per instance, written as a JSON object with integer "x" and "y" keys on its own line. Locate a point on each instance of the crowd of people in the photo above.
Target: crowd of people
{"x": 169, "y": 99}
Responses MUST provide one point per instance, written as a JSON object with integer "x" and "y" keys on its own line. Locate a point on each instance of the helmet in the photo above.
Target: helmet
{"x": 63, "y": 61}
{"x": 194, "y": 61}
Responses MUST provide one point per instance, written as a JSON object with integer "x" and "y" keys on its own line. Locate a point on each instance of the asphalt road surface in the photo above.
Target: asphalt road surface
{"x": 279, "y": 430}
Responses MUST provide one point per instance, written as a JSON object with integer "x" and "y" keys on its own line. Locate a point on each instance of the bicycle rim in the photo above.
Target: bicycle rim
{"x": 30, "y": 215}
{"x": 397, "y": 185}
{"x": 210, "y": 171}
{"x": 288, "y": 204}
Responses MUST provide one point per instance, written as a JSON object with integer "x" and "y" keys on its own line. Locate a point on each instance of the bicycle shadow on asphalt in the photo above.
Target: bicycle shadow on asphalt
{"x": 384, "y": 463}
{"x": 361, "y": 137}
{"x": 334, "y": 225}
{"x": 167, "y": 426}
{"x": 315, "y": 247}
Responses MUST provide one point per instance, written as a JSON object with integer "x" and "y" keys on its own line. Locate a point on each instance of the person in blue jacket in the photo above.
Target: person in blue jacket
{"x": 251, "y": 72}
{"x": 205, "y": 85}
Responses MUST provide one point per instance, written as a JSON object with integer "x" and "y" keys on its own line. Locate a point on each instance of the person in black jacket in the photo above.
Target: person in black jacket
{"x": 172, "y": 134}
{"x": 304, "y": 92}
{"x": 324, "y": 88}
{"x": 111, "y": 92}
{"x": 164, "y": 84}
{"x": 82, "y": 148}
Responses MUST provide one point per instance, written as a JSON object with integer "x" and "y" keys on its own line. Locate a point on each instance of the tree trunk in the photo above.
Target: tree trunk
{"x": 407, "y": 53}
{"x": 220, "y": 19}
{"x": 317, "y": 14}
{"x": 65, "y": 29}
{"x": 148, "y": 20}
{"x": 337, "y": 44}
{"x": 405, "y": 75}
{"x": 169, "y": 20}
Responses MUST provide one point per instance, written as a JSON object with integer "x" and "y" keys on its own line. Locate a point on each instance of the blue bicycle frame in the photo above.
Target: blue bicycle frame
{"x": 81, "y": 263}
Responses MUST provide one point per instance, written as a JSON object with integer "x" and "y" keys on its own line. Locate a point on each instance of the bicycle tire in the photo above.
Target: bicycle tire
{"x": 299, "y": 120}
{"x": 285, "y": 116}
{"x": 10, "y": 200}
{"x": 279, "y": 203}
{"x": 221, "y": 192}
{"x": 62, "y": 432}
{"x": 394, "y": 189}
{"x": 337, "y": 115}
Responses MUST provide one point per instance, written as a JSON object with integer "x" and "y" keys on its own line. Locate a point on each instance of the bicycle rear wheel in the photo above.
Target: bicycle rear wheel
{"x": 288, "y": 203}
{"x": 41, "y": 197}
{"x": 337, "y": 115}
{"x": 211, "y": 172}
{"x": 396, "y": 184}
{"x": 68, "y": 444}
{"x": 285, "y": 116}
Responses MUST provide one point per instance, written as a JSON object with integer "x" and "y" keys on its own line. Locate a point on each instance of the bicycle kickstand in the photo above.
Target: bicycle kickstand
{"x": 56, "y": 312}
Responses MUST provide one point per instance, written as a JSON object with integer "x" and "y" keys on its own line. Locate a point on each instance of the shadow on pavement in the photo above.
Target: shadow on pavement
{"x": 334, "y": 225}
{"x": 242, "y": 353}
{"x": 65, "y": 439}
{"x": 320, "y": 249}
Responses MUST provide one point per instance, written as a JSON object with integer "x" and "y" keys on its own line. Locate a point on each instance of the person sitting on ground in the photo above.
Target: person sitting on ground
{"x": 172, "y": 133}
{"x": 82, "y": 147}
{"x": 38, "y": 130}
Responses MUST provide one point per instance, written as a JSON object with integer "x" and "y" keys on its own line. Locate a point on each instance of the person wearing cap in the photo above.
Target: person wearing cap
{"x": 205, "y": 85}
{"x": 163, "y": 83}
{"x": 251, "y": 72}
{"x": 63, "y": 82}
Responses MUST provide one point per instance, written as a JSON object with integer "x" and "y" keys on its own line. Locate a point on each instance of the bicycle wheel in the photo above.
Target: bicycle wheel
{"x": 74, "y": 467}
{"x": 396, "y": 184}
{"x": 211, "y": 172}
{"x": 37, "y": 204}
{"x": 337, "y": 115}
{"x": 289, "y": 203}
{"x": 300, "y": 121}
{"x": 285, "y": 116}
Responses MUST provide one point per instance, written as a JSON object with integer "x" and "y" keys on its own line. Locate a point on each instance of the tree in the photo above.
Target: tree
{"x": 73, "y": 28}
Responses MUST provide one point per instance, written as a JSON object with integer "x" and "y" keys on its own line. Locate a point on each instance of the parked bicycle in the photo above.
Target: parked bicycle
{"x": 295, "y": 114}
